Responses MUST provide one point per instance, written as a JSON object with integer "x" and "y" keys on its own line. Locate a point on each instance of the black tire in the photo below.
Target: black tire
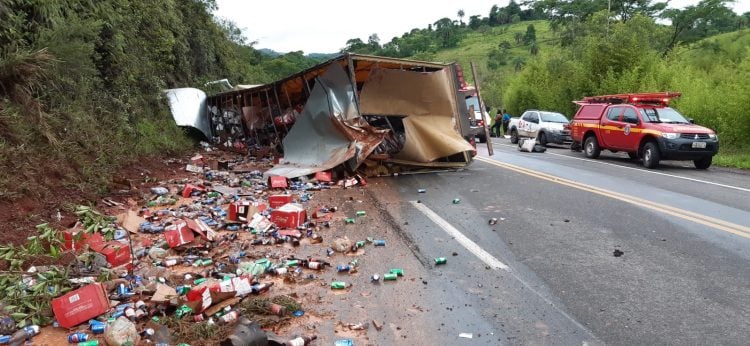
{"x": 514, "y": 136}
{"x": 703, "y": 163}
{"x": 633, "y": 156}
{"x": 575, "y": 146}
{"x": 543, "y": 139}
{"x": 591, "y": 147}
{"x": 651, "y": 155}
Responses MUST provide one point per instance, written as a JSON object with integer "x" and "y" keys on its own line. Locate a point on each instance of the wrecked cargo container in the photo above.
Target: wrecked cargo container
{"x": 352, "y": 113}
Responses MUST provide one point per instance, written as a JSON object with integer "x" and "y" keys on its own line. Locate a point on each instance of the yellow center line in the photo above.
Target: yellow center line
{"x": 719, "y": 224}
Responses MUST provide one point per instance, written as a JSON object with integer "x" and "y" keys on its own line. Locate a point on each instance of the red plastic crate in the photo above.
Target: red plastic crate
{"x": 289, "y": 215}
{"x": 80, "y": 305}
{"x": 276, "y": 201}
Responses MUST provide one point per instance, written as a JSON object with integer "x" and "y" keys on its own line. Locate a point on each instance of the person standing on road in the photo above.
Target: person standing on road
{"x": 495, "y": 129}
{"x": 506, "y": 121}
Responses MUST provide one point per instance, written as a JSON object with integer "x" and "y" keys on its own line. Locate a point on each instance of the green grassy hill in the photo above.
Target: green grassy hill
{"x": 477, "y": 45}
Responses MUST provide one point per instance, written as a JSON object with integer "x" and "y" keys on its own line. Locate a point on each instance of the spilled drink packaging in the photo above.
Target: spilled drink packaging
{"x": 390, "y": 276}
{"x": 290, "y": 215}
{"x": 178, "y": 234}
{"x": 116, "y": 253}
{"x": 379, "y": 242}
{"x": 441, "y": 260}
{"x": 338, "y": 285}
{"x": 278, "y": 182}
{"x": 275, "y": 201}
{"x": 397, "y": 271}
{"x": 324, "y": 176}
{"x": 189, "y": 188}
{"x": 76, "y": 239}
{"x": 244, "y": 210}
{"x": 80, "y": 305}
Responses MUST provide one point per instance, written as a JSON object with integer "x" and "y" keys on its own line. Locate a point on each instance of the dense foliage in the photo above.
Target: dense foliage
{"x": 81, "y": 83}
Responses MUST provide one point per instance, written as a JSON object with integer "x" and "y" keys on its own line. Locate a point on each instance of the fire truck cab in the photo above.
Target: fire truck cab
{"x": 644, "y": 126}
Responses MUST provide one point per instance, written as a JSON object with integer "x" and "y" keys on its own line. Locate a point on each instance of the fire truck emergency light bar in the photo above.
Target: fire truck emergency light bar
{"x": 660, "y": 97}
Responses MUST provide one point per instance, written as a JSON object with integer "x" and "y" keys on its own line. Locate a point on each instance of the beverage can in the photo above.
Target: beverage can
{"x": 230, "y": 317}
{"x": 98, "y": 328}
{"x": 343, "y": 268}
{"x": 343, "y": 342}
{"x": 349, "y": 220}
{"x": 440, "y": 260}
{"x": 292, "y": 263}
{"x": 89, "y": 343}
{"x": 375, "y": 277}
{"x": 338, "y": 285}
{"x": 421, "y": 190}
{"x": 390, "y": 276}
{"x": 456, "y": 200}
{"x": 361, "y": 213}
{"x": 379, "y": 242}
{"x": 77, "y": 337}
{"x": 360, "y": 244}
{"x": 397, "y": 271}
{"x": 315, "y": 265}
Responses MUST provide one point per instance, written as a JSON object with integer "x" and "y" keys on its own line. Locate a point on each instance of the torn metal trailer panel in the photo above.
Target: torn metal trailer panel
{"x": 349, "y": 110}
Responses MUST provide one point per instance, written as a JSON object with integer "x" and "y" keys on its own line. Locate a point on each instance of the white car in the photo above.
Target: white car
{"x": 546, "y": 127}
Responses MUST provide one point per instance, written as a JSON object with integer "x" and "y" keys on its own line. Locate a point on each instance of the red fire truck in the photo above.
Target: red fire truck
{"x": 642, "y": 125}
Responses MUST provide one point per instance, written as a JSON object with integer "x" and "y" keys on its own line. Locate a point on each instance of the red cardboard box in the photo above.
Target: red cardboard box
{"x": 279, "y": 182}
{"x": 276, "y": 201}
{"x": 289, "y": 215}
{"x": 178, "y": 234}
{"x": 325, "y": 176}
{"x": 116, "y": 253}
{"x": 95, "y": 241}
{"x": 80, "y": 305}
{"x": 244, "y": 210}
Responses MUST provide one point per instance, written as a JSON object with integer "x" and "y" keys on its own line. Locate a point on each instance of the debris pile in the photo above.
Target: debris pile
{"x": 211, "y": 257}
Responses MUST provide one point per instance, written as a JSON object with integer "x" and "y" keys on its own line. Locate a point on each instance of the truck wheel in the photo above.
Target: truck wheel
{"x": 591, "y": 147}
{"x": 633, "y": 156}
{"x": 543, "y": 139}
{"x": 514, "y": 136}
{"x": 703, "y": 163}
{"x": 651, "y": 155}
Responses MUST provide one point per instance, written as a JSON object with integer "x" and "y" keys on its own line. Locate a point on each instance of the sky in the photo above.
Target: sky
{"x": 324, "y": 26}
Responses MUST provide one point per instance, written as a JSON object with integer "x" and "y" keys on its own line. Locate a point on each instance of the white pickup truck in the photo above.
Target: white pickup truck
{"x": 546, "y": 127}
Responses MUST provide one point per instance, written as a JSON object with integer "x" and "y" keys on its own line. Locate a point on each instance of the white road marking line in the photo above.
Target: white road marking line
{"x": 460, "y": 237}
{"x": 643, "y": 170}
{"x": 492, "y": 261}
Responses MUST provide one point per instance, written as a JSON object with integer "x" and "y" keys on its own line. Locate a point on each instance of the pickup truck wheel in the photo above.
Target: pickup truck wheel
{"x": 633, "y": 156}
{"x": 651, "y": 155}
{"x": 703, "y": 163}
{"x": 514, "y": 136}
{"x": 543, "y": 139}
{"x": 591, "y": 147}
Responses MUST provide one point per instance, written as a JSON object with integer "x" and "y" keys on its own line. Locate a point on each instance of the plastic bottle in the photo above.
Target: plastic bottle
{"x": 26, "y": 333}
{"x": 301, "y": 340}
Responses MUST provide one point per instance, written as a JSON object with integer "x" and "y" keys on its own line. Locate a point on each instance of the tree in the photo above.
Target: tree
{"x": 692, "y": 23}
{"x": 446, "y": 33}
{"x": 461, "y": 17}
{"x": 534, "y": 49}
{"x": 530, "y": 36}
{"x": 518, "y": 37}
{"x": 373, "y": 42}
{"x": 475, "y": 21}
{"x": 355, "y": 45}
{"x": 493, "y": 17}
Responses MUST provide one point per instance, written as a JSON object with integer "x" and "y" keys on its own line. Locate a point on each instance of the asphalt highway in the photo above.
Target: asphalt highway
{"x": 583, "y": 251}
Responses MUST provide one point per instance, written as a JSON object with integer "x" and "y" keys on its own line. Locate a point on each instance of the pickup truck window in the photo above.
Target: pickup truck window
{"x": 554, "y": 118}
{"x": 630, "y": 116}
{"x": 532, "y": 118}
{"x": 613, "y": 113}
{"x": 663, "y": 115}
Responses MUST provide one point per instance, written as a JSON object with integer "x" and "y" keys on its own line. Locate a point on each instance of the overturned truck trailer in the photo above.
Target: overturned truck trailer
{"x": 352, "y": 113}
